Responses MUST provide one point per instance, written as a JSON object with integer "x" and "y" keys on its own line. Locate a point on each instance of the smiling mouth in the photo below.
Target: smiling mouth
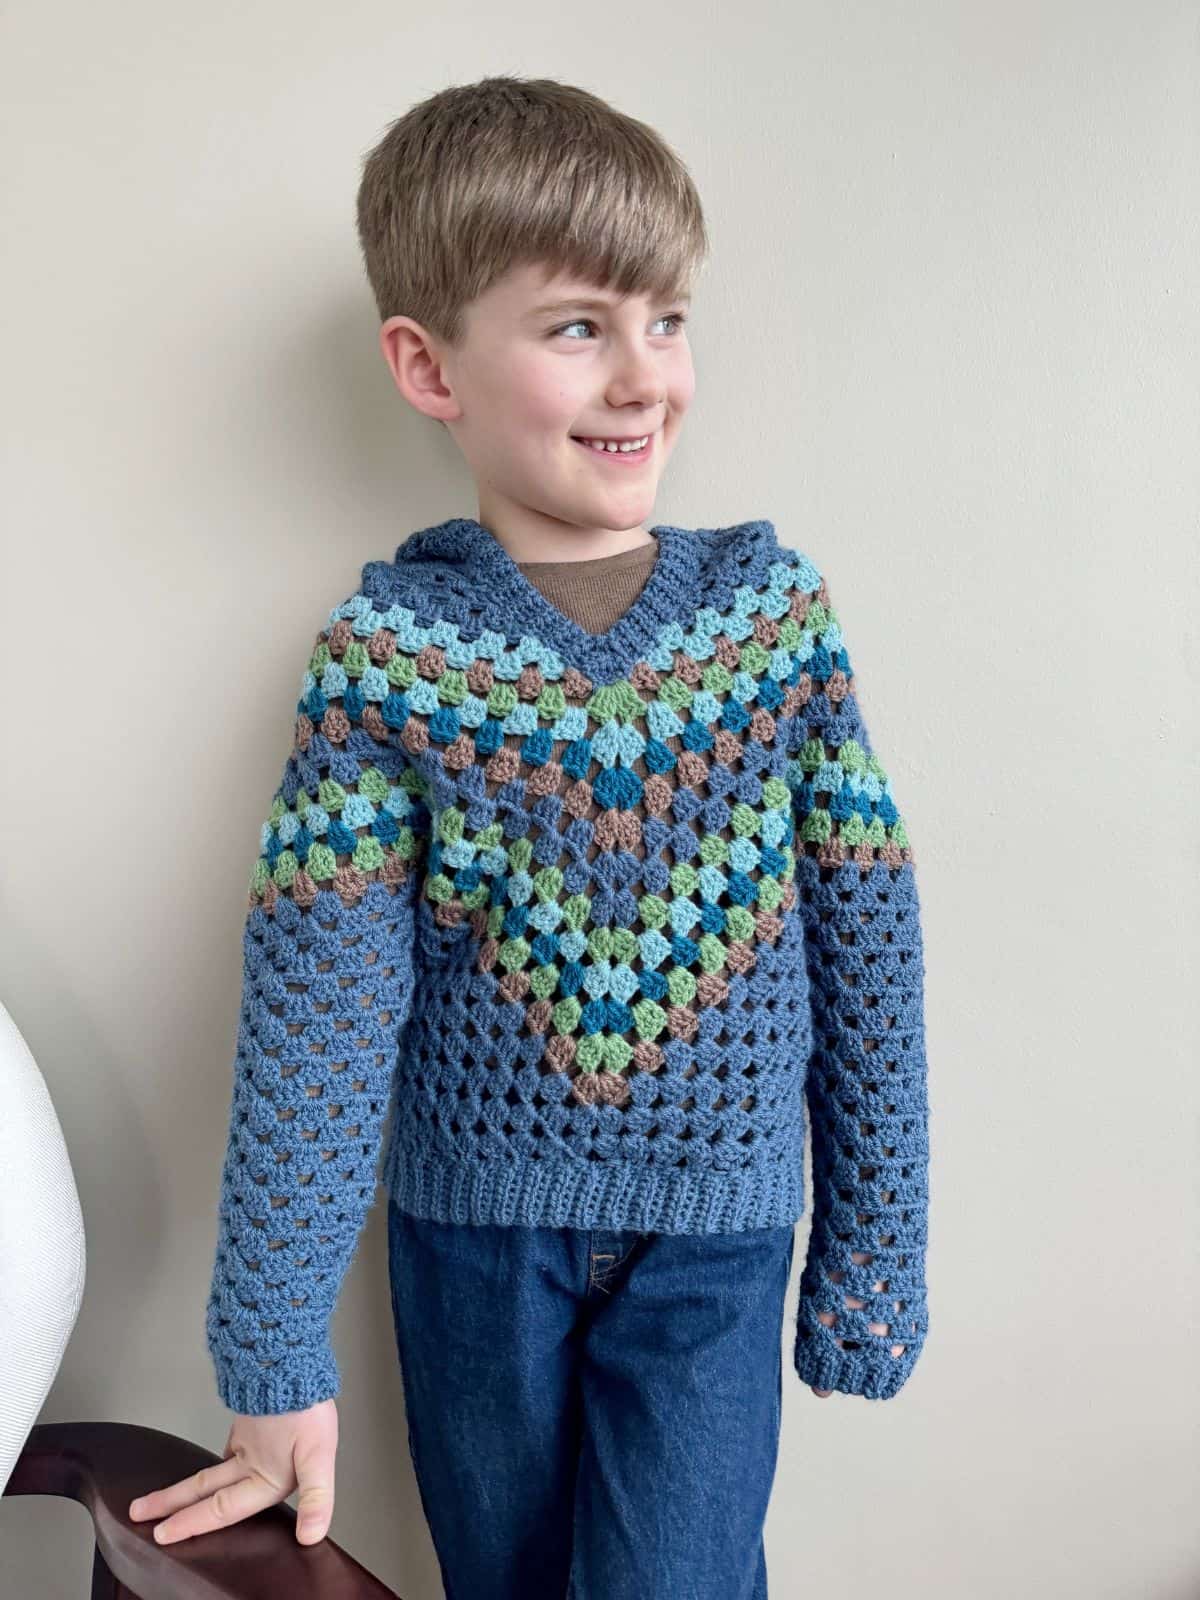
{"x": 619, "y": 457}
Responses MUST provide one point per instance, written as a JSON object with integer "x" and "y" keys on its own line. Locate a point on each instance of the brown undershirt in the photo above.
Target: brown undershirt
{"x": 598, "y": 592}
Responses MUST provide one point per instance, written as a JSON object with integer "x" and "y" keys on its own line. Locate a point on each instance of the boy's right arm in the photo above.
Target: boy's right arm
{"x": 327, "y": 986}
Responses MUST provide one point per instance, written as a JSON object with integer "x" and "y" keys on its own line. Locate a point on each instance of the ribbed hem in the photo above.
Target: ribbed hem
{"x": 616, "y": 1194}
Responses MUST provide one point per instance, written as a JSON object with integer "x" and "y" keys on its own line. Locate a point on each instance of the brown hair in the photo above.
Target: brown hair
{"x": 486, "y": 176}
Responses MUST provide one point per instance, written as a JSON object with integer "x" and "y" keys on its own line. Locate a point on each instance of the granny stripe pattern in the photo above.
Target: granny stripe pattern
{"x": 594, "y": 918}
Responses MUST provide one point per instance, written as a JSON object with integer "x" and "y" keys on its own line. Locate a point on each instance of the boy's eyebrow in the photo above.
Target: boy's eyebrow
{"x": 591, "y": 303}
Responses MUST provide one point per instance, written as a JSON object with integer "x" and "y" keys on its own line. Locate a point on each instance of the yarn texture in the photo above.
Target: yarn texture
{"x": 578, "y": 930}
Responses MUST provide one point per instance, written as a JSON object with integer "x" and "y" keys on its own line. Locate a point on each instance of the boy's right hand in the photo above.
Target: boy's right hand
{"x": 265, "y": 1459}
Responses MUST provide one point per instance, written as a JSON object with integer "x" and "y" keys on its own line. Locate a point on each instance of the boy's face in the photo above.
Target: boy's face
{"x": 525, "y": 384}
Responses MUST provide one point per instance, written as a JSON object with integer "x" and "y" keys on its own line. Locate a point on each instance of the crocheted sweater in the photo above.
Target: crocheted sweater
{"x": 574, "y": 927}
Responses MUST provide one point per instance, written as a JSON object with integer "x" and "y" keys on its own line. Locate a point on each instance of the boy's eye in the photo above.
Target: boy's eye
{"x": 678, "y": 317}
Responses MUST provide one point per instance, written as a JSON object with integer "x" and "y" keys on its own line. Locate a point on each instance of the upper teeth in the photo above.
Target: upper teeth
{"x": 611, "y": 444}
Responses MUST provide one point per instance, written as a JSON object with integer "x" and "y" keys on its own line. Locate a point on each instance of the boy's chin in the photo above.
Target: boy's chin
{"x": 618, "y": 506}
{"x": 616, "y": 518}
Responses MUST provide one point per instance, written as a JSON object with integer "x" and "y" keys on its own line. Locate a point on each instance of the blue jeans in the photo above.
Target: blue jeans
{"x": 592, "y": 1414}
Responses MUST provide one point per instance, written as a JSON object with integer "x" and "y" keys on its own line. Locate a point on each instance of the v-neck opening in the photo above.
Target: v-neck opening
{"x": 599, "y": 590}
{"x": 456, "y": 575}
{"x": 666, "y": 596}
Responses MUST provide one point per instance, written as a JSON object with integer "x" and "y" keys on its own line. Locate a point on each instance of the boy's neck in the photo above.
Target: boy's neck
{"x": 532, "y": 537}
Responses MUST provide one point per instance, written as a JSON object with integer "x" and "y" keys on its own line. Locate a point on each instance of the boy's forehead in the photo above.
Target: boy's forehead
{"x": 534, "y": 287}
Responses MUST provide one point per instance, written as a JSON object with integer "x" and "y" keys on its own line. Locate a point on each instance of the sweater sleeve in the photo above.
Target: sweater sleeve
{"x": 862, "y": 1316}
{"x": 328, "y": 975}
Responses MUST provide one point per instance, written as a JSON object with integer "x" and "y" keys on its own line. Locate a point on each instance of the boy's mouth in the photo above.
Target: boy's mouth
{"x": 625, "y": 457}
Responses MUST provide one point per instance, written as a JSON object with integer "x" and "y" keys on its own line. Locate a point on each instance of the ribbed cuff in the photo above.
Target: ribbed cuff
{"x": 873, "y": 1374}
{"x": 269, "y": 1391}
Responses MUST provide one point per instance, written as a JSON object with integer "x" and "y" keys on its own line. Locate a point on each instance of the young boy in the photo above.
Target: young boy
{"x": 583, "y": 869}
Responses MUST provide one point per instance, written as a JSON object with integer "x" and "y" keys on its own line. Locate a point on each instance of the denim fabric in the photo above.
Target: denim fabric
{"x": 592, "y": 1414}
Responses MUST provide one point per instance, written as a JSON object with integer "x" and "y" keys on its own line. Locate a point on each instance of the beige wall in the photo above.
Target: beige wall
{"x": 948, "y": 342}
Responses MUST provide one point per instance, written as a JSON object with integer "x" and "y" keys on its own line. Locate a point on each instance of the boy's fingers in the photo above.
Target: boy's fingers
{"x": 162, "y": 1502}
{"x": 229, "y": 1504}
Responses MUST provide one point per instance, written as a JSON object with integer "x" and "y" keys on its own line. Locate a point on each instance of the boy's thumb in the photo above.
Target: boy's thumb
{"x": 315, "y": 1512}
{"x": 311, "y": 1529}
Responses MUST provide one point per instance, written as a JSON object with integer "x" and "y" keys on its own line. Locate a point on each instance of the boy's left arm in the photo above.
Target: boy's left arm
{"x": 863, "y": 1316}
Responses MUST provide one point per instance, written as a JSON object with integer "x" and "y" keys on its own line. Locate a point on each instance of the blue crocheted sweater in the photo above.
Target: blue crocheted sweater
{"x": 586, "y": 921}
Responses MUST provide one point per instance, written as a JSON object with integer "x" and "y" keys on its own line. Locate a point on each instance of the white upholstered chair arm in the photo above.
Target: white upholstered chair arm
{"x": 42, "y": 1246}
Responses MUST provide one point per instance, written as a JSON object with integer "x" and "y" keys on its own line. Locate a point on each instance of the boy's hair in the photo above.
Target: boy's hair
{"x": 486, "y": 176}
